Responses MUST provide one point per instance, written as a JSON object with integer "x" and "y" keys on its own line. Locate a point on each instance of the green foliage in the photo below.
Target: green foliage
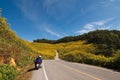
{"x": 44, "y": 41}
{"x": 7, "y": 72}
{"x": 85, "y": 53}
{"x": 115, "y": 62}
{"x": 107, "y": 42}
{"x": 100, "y": 47}
{"x": 103, "y": 52}
{"x": 23, "y": 52}
{"x": 72, "y": 51}
{"x": 13, "y": 46}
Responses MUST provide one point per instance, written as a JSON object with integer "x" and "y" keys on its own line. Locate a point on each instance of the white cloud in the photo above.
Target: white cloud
{"x": 29, "y": 8}
{"x": 112, "y": 0}
{"x": 88, "y": 26}
{"x": 59, "y": 9}
{"x": 94, "y": 25}
{"x": 36, "y": 10}
{"x": 52, "y": 33}
{"x": 56, "y": 34}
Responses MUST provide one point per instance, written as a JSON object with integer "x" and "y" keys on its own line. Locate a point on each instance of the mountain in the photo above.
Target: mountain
{"x": 97, "y": 36}
{"x": 107, "y": 41}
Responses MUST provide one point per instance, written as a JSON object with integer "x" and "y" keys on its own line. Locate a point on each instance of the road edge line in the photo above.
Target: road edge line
{"x": 46, "y": 78}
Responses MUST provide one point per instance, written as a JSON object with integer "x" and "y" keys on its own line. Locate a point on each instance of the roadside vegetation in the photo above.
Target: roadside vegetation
{"x": 100, "y": 47}
{"x": 16, "y": 53}
{"x": 85, "y": 53}
{"x": 46, "y": 50}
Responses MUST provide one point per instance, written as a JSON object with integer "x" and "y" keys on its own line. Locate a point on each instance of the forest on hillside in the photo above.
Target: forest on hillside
{"x": 97, "y": 36}
{"x": 107, "y": 41}
{"x": 99, "y": 47}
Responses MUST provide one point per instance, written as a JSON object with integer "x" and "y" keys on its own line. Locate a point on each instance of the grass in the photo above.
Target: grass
{"x": 85, "y": 53}
{"x": 7, "y": 72}
{"x": 24, "y": 52}
{"x": 25, "y": 72}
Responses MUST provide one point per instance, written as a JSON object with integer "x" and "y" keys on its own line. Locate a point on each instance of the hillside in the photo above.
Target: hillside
{"x": 107, "y": 42}
{"x": 17, "y": 53}
{"x": 81, "y": 52}
{"x": 13, "y": 52}
{"x": 100, "y": 47}
{"x": 97, "y": 36}
{"x": 11, "y": 46}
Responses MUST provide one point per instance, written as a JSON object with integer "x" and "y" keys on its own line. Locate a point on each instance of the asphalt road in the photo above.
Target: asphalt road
{"x": 62, "y": 70}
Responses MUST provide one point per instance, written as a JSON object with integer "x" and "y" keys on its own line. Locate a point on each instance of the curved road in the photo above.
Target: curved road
{"x": 62, "y": 70}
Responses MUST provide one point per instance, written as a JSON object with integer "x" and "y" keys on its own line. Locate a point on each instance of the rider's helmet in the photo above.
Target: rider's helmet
{"x": 39, "y": 56}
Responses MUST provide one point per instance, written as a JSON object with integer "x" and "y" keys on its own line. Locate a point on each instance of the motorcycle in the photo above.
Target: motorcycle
{"x": 37, "y": 64}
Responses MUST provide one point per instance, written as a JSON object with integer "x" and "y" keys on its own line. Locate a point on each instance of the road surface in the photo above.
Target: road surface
{"x": 61, "y": 70}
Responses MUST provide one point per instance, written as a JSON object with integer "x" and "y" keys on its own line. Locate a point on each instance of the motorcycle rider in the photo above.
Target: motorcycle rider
{"x": 38, "y": 60}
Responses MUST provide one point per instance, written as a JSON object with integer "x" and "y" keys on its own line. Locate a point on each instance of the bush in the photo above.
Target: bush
{"x": 7, "y": 72}
{"x": 115, "y": 62}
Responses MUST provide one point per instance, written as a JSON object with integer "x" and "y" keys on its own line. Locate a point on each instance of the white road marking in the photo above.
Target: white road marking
{"x": 46, "y": 78}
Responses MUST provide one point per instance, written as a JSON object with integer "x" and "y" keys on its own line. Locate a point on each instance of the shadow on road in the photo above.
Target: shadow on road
{"x": 32, "y": 69}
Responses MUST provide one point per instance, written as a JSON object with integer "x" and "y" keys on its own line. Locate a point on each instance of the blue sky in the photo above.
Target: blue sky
{"x": 54, "y": 19}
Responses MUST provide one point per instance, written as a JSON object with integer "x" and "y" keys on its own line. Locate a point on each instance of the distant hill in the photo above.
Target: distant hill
{"x": 100, "y": 47}
{"x": 97, "y": 36}
{"x": 107, "y": 41}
